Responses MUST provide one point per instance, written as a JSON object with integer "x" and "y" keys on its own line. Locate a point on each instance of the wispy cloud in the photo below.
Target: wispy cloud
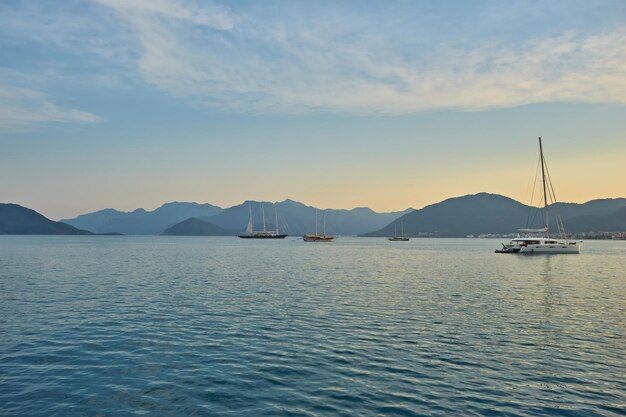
{"x": 247, "y": 64}
{"x": 281, "y": 58}
{"x": 21, "y": 107}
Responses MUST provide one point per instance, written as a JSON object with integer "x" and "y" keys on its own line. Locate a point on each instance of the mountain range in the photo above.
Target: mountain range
{"x": 485, "y": 213}
{"x": 293, "y": 217}
{"x": 455, "y": 217}
{"x": 140, "y": 221}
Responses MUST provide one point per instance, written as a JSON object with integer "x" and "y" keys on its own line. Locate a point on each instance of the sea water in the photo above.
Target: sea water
{"x": 181, "y": 326}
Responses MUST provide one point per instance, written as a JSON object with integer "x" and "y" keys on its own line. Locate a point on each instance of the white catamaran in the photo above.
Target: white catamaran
{"x": 531, "y": 241}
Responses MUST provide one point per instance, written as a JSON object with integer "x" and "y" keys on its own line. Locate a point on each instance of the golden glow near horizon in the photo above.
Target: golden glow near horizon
{"x": 577, "y": 177}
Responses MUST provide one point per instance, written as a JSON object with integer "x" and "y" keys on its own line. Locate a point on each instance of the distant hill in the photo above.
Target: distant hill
{"x": 599, "y": 207}
{"x": 18, "y": 220}
{"x": 140, "y": 221}
{"x": 475, "y": 214}
{"x": 296, "y": 218}
{"x": 613, "y": 222}
{"x": 485, "y": 213}
{"x": 196, "y": 227}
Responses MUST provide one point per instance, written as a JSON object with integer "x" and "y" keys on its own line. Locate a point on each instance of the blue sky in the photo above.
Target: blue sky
{"x": 112, "y": 103}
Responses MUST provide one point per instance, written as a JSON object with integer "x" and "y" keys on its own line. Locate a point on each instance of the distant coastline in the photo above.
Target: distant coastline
{"x": 475, "y": 215}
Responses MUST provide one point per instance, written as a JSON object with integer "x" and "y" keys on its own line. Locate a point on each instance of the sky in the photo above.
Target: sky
{"x": 385, "y": 104}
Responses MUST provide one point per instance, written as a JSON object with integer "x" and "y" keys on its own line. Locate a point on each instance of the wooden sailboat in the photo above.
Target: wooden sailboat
{"x": 265, "y": 234}
{"x": 317, "y": 237}
{"x": 395, "y": 237}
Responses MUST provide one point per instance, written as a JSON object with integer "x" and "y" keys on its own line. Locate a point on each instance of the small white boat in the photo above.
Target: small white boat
{"x": 537, "y": 241}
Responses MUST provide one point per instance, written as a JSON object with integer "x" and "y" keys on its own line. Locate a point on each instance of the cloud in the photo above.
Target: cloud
{"x": 208, "y": 14}
{"x": 24, "y": 107}
{"x": 328, "y": 56}
{"x": 247, "y": 64}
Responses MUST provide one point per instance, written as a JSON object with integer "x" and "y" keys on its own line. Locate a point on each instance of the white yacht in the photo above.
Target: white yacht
{"x": 531, "y": 241}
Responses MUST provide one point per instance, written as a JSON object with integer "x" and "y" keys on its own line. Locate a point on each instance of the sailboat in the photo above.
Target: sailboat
{"x": 317, "y": 237}
{"x": 395, "y": 237}
{"x": 265, "y": 234}
{"x": 531, "y": 241}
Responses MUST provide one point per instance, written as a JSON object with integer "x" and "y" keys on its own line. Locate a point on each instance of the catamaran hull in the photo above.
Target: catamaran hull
{"x": 550, "y": 249}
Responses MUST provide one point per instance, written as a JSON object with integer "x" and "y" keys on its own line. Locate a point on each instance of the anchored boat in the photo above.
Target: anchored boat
{"x": 531, "y": 241}
{"x": 252, "y": 234}
{"x": 315, "y": 237}
{"x": 395, "y": 237}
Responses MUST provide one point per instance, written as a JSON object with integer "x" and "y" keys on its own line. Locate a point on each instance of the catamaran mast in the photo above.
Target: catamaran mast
{"x": 315, "y": 221}
{"x": 276, "y": 215}
{"x": 545, "y": 193}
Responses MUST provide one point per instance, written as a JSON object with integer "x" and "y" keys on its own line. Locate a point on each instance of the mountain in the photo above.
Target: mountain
{"x": 485, "y": 213}
{"x": 197, "y": 227}
{"x": 18, "y": 220}
{"x": 296, "y": 218}
{"x": 599, "y": 207}
{"x": 140, "y": 221}
{"x": 613, "y": 222}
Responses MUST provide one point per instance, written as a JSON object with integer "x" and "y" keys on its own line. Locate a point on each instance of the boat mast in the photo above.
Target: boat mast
{"x": 315, "y": 221}
{"x": 276, "y": 215}
{"x": 545, "y": 193}
{"x": 263, "y": 211}
{"x": 250, "y": 228}
{"x": 395, "y": 232}
{"x": 324, "y": 220}
{"x": 401, "y": 229}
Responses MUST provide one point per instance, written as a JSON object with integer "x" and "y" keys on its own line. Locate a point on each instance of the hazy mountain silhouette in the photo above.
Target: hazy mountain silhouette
{"x": 485, "y": 213}
{"x": 197, "y": 227}
{"x": 140, "y": 221}
{"x": 613, "y": 222}
{"x": 18, "y": 220}
{"x": 296, "y": 218}
{"x": 599, "y": 207}
{"x": 459, "y": 216}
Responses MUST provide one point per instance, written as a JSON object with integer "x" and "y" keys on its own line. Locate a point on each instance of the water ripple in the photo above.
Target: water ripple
{"x": 221, "y": 327}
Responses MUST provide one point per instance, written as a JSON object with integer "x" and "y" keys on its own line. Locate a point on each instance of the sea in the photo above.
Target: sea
{"x": 220, "y": 326}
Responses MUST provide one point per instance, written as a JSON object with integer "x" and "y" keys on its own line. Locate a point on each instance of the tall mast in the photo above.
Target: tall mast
{"x": 263, "y": 211}
{"x": 395, "y": 232}
{"x": 401, "y": 228}
{"x": 324, "y": 220}
{"x": 315, "y": 221}
{"x": 545, "y": 193}
{"x": 250, "y": 227}
{"x": 276, "y": 215}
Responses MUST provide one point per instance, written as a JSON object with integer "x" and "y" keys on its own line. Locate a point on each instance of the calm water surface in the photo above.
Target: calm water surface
{"x": 227, "y": 327}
